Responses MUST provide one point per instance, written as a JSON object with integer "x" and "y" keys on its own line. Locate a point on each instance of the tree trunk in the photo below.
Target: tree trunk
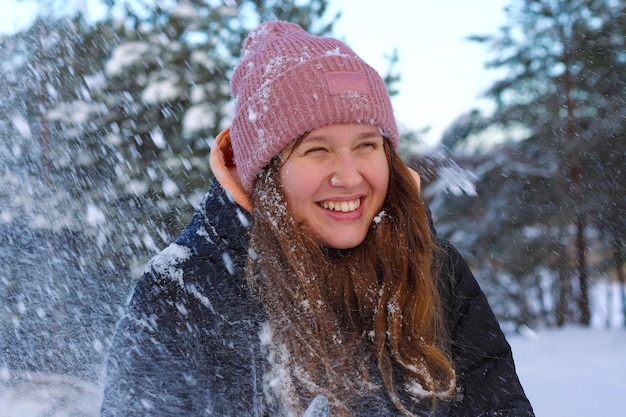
{"x": 564, "y": 290}
{"x": 575, "y": 178}
{"x": 581, "y": 267}
{"x": 619, "y": 264}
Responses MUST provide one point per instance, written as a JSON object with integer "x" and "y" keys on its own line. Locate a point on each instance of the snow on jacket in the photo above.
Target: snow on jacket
{"x": 191, "y": 342}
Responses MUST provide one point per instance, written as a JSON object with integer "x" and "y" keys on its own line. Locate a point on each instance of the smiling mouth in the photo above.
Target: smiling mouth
{"x": 341, "y": 206}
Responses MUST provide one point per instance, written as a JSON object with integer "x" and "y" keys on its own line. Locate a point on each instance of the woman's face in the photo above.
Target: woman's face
{"x": 335, "y": 181}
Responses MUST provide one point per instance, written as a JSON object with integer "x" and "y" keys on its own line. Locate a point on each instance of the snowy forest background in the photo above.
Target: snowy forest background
{"x": 105, "y": 130}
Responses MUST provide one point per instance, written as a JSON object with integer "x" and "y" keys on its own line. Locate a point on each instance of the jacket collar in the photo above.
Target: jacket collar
{"x": 224, "y": 169}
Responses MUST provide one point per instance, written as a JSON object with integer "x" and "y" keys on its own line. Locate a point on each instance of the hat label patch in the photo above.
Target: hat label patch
{"x": 343, "y": 82}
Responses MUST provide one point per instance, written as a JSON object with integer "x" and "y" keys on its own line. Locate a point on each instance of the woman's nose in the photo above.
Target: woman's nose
{"x": 346, "y": 173}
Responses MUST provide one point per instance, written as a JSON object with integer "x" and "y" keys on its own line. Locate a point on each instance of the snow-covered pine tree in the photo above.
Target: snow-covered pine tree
{"x": 548, "y": 186}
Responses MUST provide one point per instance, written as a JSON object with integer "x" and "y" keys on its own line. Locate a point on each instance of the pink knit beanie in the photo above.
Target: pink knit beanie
{"x": 289, "y": 82}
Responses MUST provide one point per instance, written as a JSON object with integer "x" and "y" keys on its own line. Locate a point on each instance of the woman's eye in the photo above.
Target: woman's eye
{"x": 368, "y": 145}
{"x": 314, "y": 151}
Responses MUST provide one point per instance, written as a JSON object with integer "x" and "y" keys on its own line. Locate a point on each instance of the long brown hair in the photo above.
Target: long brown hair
{"x": 335, "y": 312}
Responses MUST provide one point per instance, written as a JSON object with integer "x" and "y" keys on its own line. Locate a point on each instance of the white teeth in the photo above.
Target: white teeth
{"x": 343, "y": 206}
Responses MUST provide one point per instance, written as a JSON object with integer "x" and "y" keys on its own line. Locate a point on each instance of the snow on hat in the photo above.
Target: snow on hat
{"x": 289, "y": 82}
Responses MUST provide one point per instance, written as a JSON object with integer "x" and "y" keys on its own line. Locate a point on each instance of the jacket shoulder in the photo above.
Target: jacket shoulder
{"x": 487, "y": 381}
{"x": 205, "y": 265}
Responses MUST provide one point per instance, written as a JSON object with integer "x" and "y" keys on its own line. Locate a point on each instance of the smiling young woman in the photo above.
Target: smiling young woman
{"x": 335, "y": 181}
{"x": 311, "y": 268}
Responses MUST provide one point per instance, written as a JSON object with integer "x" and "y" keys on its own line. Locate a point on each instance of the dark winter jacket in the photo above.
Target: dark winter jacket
{"x": 189, "y": 343}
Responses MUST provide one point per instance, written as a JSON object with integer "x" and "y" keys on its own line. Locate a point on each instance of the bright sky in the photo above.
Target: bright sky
{"x": 443, "y": 74}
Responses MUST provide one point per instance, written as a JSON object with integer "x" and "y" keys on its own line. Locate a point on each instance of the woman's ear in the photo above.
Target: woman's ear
{"x": 417, "y": 178}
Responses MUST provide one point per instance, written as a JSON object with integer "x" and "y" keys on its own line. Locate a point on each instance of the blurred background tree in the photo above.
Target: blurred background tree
{"x": 546, "y": 161}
